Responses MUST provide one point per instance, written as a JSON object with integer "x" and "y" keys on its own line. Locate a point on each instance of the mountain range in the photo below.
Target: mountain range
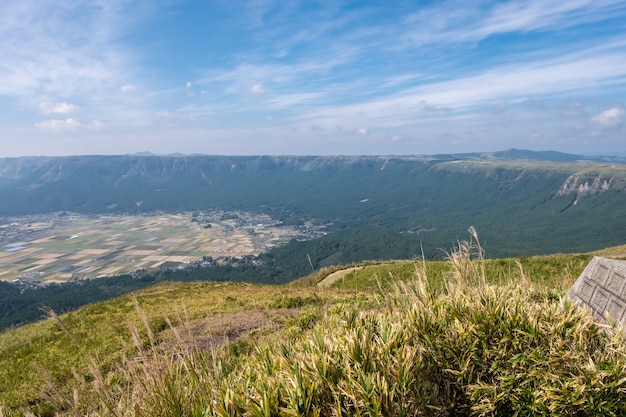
{"x": 522, "y": 202}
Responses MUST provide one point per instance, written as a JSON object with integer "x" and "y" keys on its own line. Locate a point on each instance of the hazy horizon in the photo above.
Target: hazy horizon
{"x": 179, "y": 154}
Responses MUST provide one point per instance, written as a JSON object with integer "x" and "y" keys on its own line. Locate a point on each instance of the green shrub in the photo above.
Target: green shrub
{"x": 305, "y": 320}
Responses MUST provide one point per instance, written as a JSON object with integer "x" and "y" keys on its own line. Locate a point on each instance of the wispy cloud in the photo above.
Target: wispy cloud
{"x": 128, "y": 88}
{"x": 68, "y": 125}
{"x": 54, "y": 51}
{"x": 472, "y": 21}
{"x": 292, "y": 71}
{"x": 49, "y": 47}
{"x": 57, "y": 125}
{"x": 57, "y": 108}
{"x": 564, "y": 74}
{"x": 573, "y": 109}
{"x": 336, "y": 88}
{"x": 257, "y": 89}
{"x": 512, "y": 83}
{"x": 237, "y": 78}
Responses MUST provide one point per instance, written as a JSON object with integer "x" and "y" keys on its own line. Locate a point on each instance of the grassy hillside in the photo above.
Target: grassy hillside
{"x": 477, "y": 337}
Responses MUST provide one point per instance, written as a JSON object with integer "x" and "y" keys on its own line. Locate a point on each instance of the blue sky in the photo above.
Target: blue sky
{"x": 311, "y": 77}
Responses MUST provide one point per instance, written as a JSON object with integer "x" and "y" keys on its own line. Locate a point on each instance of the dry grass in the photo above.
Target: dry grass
{"x": 464, "y": 348}
{"x": 460, "y": 343}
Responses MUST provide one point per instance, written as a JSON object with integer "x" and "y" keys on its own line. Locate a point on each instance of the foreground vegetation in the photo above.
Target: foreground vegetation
{"x": 463, "y": 337}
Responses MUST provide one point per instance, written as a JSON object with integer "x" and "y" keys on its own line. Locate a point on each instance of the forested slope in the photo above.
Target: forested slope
{"x": 521, "y": 205}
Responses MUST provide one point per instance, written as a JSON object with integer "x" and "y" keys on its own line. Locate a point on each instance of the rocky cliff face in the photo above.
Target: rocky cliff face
{"x": 585, "y": 185}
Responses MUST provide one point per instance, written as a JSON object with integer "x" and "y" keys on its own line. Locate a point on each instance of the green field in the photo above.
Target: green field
{"x": 57, "y": 249}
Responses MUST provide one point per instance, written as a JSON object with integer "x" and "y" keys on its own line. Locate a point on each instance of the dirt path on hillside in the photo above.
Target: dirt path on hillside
{"x": 336, "y": 276}
{"x": 210, "y": 334}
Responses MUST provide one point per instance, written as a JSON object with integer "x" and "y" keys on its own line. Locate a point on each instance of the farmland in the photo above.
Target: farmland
{"x": 61, "y": 247}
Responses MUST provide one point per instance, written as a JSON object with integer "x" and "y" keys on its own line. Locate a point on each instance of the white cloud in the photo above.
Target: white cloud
{"x": 128, "y": 88}
{"x": 185, "y": 113}
{"x": 56, "y": 108}
{"x": 56, "y": 125}
{"x": 257, "y": 89}
{"x": 563, "y": 74}
{"x": 189, "y": 89}
{"x": 96, "y": 125}
{"x": 353, "y": 70}
{"x": 64, "y": 58}
{"x": 611, "y": 118}
{"x": 68, "y": 125}
{"x": 302, "y": 75}
{"x": 452, "y": 21}
{"x": 288, "y": 100}
{"x": 461, "y": 96}
{"x": 64, "y": 48}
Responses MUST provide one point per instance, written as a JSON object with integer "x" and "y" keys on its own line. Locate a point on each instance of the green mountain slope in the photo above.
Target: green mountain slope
{"x": 188, "y": 349}
{"x": 524, "y": 202}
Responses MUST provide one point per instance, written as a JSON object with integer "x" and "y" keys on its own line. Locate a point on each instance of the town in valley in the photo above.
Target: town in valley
{"x": 60, "y": 247}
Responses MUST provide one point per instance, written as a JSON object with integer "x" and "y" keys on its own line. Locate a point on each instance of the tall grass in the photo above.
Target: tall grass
{"x": 467, "y": 262}
{"x": 460, "y": 343}
{"x": 467, "y": 348}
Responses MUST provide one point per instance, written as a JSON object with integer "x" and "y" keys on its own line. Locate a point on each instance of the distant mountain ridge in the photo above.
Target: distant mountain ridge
{"x": 19, "y": 167}
{"x": 525, "y": 201}
{"x": 553, "y": 156}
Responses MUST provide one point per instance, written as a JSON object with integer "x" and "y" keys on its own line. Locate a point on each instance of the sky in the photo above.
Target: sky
{"x": 311, "y": 77}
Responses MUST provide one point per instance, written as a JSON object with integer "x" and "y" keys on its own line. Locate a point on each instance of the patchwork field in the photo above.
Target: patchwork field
{"x": 59, "y": 248}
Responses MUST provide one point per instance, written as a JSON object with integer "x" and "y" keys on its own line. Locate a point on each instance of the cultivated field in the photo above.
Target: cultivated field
{"x": 59, "y": 248}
